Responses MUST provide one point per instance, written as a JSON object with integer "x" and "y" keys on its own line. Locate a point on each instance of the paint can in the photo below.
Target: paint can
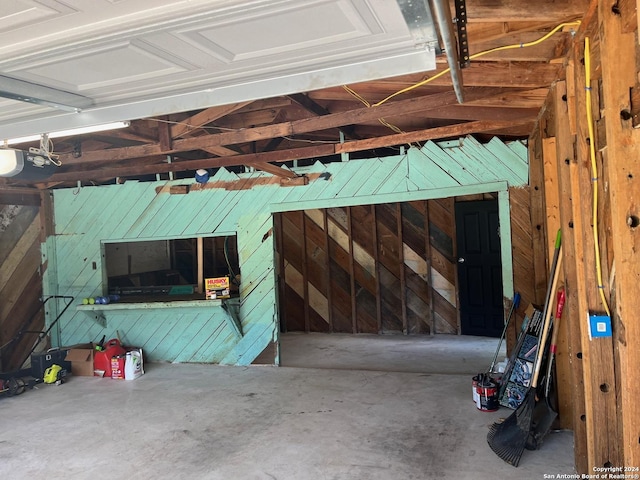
{"x": 487, "y": 391}
{"x": 474, "y": 388}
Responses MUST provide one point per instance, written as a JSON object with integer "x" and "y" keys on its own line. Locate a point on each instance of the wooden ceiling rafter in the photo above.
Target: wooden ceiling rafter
{"x": 295, "y": 127}
{"x": 507, "y": 11}
{"x": 263, "y": 160}
{"x": 504, "y": 92}
{"x": 201, "y": 119}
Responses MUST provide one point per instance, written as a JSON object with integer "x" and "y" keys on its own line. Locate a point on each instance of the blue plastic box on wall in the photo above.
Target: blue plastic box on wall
{"x": 599, "y": 325}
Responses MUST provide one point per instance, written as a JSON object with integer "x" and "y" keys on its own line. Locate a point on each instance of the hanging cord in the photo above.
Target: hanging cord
{"x": 234, "y": 279}
{"x": 594, "y": 173}
{"x": 46, "y": 147}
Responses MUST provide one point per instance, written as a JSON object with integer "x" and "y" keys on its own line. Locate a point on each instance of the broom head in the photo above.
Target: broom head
{"x": 508, "y": 438}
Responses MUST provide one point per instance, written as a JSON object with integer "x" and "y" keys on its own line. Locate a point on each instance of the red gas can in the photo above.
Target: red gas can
{"x": 102, "y": 359}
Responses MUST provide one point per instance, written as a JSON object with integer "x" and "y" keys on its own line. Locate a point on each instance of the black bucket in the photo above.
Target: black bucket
{"x": 487, "y": 394}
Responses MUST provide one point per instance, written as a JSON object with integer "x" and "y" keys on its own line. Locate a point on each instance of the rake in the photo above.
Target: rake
{"x": 509, "y": 438}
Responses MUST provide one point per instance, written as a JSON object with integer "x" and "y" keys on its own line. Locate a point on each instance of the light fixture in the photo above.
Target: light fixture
{"x": 11, "y": 162}
{"x": 67, "y": 133}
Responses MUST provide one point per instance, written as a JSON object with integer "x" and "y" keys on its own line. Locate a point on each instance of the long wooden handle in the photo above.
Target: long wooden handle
{"x": 560, "y": 300}
{"x": 547, "y": 323}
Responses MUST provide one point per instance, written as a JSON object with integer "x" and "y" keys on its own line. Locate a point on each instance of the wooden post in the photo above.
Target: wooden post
{"x": 403, "y": 280}
{"x": 538, "y": 231}
{"x": 305, "y": 272}
{"x": 597, "y": 355}
{"x": 619, "y": 74}
{"x": 352, "y": 274}
{"x": 279, "y": 264}
{"x": 551, "y": 200}
{"x": 569, "y": 369}
{"x": 376, "y": 258}
{"x": 427, "y": 257}
{"x": 200, "y": 260}
{"x": 327, "y": 264}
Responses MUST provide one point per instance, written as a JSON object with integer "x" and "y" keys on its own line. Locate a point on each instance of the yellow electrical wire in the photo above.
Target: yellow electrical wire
{"x": 592, "y": 152}
{"x": 480, "y": 54}
{"x": 357, "y": 95}
{"x": 368, "y": 105}
{"x": 594, "y": 172}
{"x": 447, "y": 70}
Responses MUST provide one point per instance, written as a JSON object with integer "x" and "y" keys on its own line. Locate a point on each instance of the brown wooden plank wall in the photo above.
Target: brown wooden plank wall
{"x": 523, "y": 257}
{"x": 340, "y": 267}
{"x": 20, "y": 282}
{"x": 368, "y": 269}
{"x": 443, "y": 265}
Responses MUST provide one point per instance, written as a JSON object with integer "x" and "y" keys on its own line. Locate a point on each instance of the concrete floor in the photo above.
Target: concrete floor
{"x": 444, "y": 354}
{"x": 337, "y": 422}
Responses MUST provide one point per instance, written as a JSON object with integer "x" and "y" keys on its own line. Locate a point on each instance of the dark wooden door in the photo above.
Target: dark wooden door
{"x": 479, "y": 268}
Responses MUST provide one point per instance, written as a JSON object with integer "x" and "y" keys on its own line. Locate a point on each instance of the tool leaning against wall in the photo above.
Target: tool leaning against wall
{"x": 17, "y": 381}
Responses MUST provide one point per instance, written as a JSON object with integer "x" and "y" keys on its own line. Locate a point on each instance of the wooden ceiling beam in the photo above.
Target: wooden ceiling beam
{"x": 507, "y": 10}
{"x": 312, "y": 106}
{"x": 504, "y": 74}
{"x": 480, "y": 112}
{"x": 308, "y": 104}
{"x": 204, "y": 117}
{"x": 275, "y": 170}
{"x": 534, "y": 98}
{"x": 488, "y": 74}
{"x": 542, "y": 52}
{"x": 275, "y": 103}
{"x": 164, "y": 134}
{"x": 19, "y": 196}
{"x": 334, "y": 120}
{"x": 480, "y": 32}
{"x": 457, "y": 130}
{"x": 221, "y": 151}
{"x": 258, "y": 160}
{"x": 245, "y": 120}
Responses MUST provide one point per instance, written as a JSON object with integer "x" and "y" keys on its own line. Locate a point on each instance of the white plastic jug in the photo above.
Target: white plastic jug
{"x": 133, "y": 364}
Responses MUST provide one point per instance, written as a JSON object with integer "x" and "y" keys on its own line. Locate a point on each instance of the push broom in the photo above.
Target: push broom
{"x": 508, "y": 438}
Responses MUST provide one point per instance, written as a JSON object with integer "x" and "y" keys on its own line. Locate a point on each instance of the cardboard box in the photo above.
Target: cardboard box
{"x": 217, "y": 288}
{"x": 81, "y": 358}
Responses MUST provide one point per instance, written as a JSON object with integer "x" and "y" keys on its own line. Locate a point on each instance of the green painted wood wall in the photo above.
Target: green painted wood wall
{"x": 241, "y": 204}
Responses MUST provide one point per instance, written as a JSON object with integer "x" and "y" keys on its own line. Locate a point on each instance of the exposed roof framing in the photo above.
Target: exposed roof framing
{"x": 503, "y": 92}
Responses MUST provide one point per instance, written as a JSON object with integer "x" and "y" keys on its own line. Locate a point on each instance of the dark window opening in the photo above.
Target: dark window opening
{"x": 175, "y": 267}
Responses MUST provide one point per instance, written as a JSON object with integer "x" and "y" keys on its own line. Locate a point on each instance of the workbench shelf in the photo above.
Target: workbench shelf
{"x": 100, "y": 312}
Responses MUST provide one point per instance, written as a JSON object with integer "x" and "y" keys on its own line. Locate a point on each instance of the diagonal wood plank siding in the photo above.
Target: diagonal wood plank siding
{"x": 20, "y": 281}
{"x": 242, "y": 204}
